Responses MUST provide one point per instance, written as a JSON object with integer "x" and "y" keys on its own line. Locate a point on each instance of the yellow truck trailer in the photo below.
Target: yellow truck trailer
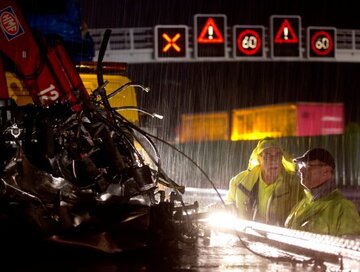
{"x": 279, "y": 120}
{"x": 116, "y": 78}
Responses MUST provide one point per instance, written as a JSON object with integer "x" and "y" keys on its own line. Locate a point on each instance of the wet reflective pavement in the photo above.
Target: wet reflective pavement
{"x": 214, "y": 252}
{"x": 224, "y": 252}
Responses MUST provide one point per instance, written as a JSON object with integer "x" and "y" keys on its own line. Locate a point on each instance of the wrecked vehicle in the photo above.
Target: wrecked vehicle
{"x": 74, "y": 171}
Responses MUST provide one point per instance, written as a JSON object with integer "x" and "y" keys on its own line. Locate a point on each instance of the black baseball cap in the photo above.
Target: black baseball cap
{"x": 319, "y": 154}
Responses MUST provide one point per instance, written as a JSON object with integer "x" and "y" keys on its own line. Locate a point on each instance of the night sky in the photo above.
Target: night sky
{"x": 209, "y": 86}
{"x": 140, "y": 13}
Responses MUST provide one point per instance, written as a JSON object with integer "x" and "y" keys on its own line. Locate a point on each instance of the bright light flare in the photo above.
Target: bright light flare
{"x": 223, "y": 221}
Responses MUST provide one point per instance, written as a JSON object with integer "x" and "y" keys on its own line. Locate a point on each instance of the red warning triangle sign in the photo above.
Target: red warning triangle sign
{"x": 286, "y": 34}
{"x": 210, "y": 33}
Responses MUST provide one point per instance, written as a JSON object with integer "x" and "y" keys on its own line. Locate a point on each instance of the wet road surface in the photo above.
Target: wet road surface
{"x": 213, "y": 252}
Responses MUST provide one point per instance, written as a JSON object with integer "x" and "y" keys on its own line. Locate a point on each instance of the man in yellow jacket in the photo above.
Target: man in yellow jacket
{"x": 269, "y": 188}
{"x": 324, "y": 209}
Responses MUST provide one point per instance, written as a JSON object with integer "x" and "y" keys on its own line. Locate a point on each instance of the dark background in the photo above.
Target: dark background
{"x": 140, "y": 13}
{"x": 215, "y": 86}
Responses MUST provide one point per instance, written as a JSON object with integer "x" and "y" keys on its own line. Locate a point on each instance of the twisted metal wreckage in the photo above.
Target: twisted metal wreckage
{"x": 72, "y": 172}
{"x": 72, "y": 167}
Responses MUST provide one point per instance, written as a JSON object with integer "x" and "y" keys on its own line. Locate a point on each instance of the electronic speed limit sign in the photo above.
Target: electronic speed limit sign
{"x": 248, "y": 41}
{"x": 321, "y": 42}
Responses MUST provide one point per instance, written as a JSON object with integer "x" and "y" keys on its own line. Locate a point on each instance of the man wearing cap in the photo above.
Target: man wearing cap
{"x": 324, "y": 209}
{"x": 269, "y": 188}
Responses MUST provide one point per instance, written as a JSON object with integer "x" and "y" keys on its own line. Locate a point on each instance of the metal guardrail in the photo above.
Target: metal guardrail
{"x": 136, "y": 45}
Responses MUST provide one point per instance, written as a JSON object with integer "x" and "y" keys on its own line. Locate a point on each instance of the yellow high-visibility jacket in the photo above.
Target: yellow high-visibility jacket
{"x": 332, "y": 214}
{"x": 245, "y": 194}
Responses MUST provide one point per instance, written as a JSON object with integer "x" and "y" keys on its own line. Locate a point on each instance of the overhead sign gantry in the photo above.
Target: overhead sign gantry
{"x": 211, "y": 39}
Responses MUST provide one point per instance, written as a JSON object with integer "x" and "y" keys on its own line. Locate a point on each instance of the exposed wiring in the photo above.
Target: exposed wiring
{"x": 125, "y": 86}
{"x": 153, "y": 115}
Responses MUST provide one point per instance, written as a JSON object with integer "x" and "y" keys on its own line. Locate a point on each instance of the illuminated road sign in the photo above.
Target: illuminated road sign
{"x": 248, "y": 41}
{"x": 321, "y": 42}
{"x": 171, "y": 41}
{"x": 209, "y": 36}
{"x": 285, "y": 36}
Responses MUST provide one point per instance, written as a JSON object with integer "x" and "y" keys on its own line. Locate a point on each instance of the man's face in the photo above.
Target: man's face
{"x": 270, "y": 160}
{"x": 313, "y": 173}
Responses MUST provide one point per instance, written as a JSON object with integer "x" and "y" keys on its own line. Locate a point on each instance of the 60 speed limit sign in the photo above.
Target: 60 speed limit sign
{"x": 321, "y": 42}
{"x": 248, "y": 41}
